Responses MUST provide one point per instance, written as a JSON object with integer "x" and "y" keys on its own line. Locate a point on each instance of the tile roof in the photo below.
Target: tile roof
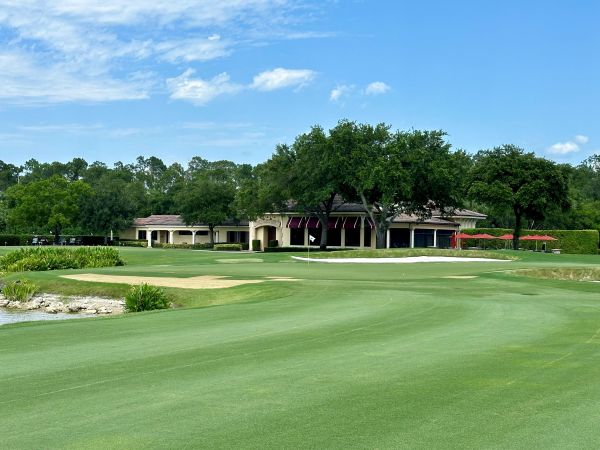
{"x": 175, "y": 220}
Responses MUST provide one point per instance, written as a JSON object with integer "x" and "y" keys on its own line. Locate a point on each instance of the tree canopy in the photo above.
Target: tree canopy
{"x": 508, "y": 177}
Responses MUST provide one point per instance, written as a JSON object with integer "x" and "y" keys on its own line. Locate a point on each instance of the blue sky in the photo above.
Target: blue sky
{"x": 109, "y": 80}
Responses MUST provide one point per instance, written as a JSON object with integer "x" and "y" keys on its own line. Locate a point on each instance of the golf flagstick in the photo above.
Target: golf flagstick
{"x": 311, "y": 239}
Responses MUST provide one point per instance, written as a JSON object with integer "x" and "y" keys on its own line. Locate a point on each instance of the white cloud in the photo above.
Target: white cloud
{"x": 281, "y": 78}
{"x": 563, "y": 148}
{"x": 377, "y": 88}
{"x": 24, "y": 81}
{"x": 340, "y": 91}
{"x": 581, "y": 139}
{"x": 84, "y": 50}
{"x": 194, "y": 49}
{"x": 200, "y": 91}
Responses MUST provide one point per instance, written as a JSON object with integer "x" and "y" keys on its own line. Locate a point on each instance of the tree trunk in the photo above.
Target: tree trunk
{"x": 211, "y": 235}
{"x": 381, "y": 235}
{"x": 323, "y": 243}
{"x": 517, "y": 230}
{"x": 381, "y": 225}
{"x": 324, "y": 221}
{"x": 57, "y": 230}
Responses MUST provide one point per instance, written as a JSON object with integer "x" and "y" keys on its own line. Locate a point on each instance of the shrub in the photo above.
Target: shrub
{"x": 56, "y": 258}
{"x": 228, "y": 247}
{"x": 203, "y": 246}
{"x": 273, "y": 243}
{"x": 19, "y": 290}
{"x": 144, "y": 297}
{"x": 569, "y": 241}
{"x": 132, "y": 242}
{"x": 245, "y": 246}
{"x": 256, "y": 245}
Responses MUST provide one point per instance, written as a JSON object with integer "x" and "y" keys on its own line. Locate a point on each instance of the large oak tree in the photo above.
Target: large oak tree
{"x": 508, "y": 177}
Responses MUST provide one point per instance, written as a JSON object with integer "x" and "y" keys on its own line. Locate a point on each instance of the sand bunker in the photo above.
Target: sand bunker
{"x": 200, "y": 282}
{"x": 408, "y": 260}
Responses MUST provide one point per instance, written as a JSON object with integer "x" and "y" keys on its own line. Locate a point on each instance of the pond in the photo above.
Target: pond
{"x": 12, "y": 316}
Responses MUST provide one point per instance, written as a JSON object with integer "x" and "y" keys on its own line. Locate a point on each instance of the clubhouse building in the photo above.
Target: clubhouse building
{"x": 349, "y": 226}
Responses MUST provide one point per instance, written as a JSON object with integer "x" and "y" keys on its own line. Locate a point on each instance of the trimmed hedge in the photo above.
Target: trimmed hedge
{"x": 569, "y": 241}
{"x": 57, "y": 258}
{"x": 22, "y": 239}
{"x": 131, "y": 243}
{"x": 228, "y": 247}
{"x": 199, "y": 246}
{"x": 25, "y": 239}
{"x": 256, "y": 245}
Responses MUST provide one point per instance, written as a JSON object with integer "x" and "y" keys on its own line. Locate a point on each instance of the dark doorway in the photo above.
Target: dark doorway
{"x": 443, "y": 238}
{"x": 423, "y": 238}
{"x": 399, "y": 238}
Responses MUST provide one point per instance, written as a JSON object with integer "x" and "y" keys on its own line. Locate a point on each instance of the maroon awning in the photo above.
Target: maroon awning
{"x": 295, "y": 222}
{"x": 351, "y": 222}
{"x": 313, "y": 222}
{"x": 335, "y": 222}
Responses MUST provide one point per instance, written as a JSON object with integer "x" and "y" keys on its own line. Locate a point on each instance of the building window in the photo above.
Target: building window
{"x": 296, "y": 236}
{"x": 423, "y": 238}
{"x": 367, "y": 237}
{"x": 352, "y": 237}
{"x": 185, "y": 233}
{"x": 202, "y": 233}
{"x": 142, "y": 234}
{"x": 237, "y": 237}
{"x": 443, "y": 238}
{"x": 154, "y": 235}
{"x": 334, "y": 237}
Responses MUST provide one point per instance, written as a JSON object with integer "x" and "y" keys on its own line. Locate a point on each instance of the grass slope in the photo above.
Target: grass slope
{"x": 353, "y": 356}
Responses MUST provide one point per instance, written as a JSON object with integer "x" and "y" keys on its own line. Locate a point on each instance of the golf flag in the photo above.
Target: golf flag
{"x": 311, "y": 238}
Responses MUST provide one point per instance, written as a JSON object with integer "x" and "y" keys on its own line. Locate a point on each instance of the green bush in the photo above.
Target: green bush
{"x": 256, "y": 245}
{"x": 569, "y": 241}
{"x": 273, "y": 243}
{"x": 144, "y": 297}
{"x": 57, "y": 258}
{"x": 19, "y": 290}
{"x": 228, "y": 247}
{"x": 132, "y": 243}
{"x": 245, "y": 246}
{"x": 198, "y": 246}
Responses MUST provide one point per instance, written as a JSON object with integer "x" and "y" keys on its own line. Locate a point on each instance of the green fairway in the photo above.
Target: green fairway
{"x": 349, "y": 356}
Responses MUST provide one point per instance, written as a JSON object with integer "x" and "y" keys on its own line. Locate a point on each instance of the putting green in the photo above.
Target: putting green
{"x": 348, "y": 356}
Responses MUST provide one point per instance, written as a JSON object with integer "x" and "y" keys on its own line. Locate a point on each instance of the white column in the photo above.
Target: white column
{"x": 435, "y": 237}
{"x": 343, "y": 238}
{"x": 387, "y": 238}
{"x": 171, "y": 236}
{"x": 193, "y": 237}
{"x": 362, "y": 232}
{"x": 149, "y": 237}
{"x": 412, "y": 237}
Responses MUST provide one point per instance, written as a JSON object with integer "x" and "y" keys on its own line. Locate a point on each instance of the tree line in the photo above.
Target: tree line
{"x": 388, "y": 172}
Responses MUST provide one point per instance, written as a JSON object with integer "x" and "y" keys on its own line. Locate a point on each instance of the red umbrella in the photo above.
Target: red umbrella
{"x": 531, "y": 237}
{"x": 483, "y": 236}
{"x": 545, "y": 237}
{"x": 459, "y": 236}
{"x": 506, "y": 237}
{"x": 535, "y": 237}
{"x": 463, "y": 236}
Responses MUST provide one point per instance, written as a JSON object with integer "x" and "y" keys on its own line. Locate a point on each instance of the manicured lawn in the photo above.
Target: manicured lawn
{"x": 351, "y": 356}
